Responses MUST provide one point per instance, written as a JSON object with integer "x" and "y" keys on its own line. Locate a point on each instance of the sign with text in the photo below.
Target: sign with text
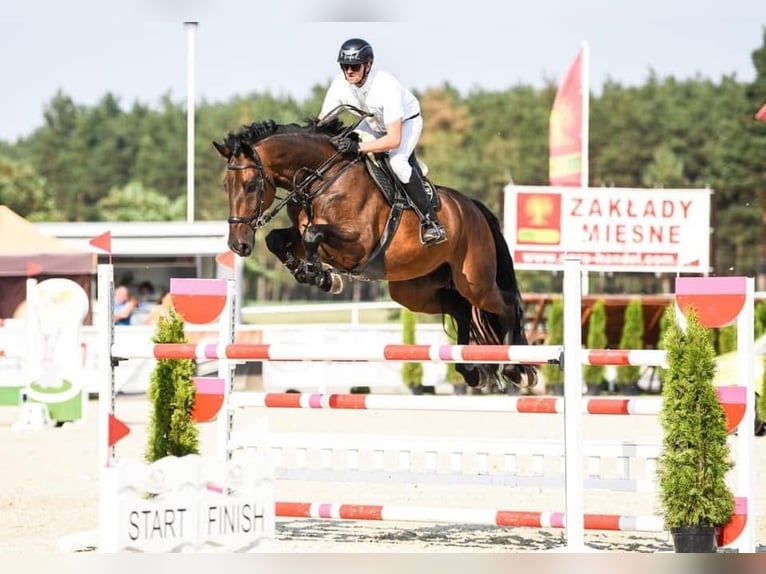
{"x": 189, "y": 503}
{"x": 609, "y": 229}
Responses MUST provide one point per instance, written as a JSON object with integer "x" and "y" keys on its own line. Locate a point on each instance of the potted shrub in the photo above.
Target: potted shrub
{"x": 632, "y": 337}
{"x": 695, "y": 455}
{"x": 171, "y": 430}
{"x": 594, "y": 375}
{"x": 554, "y": 375}
{"x": 412, "y": 373}
{"x": 451, "y": 375}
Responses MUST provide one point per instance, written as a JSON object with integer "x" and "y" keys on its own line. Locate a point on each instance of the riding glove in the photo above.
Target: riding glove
{"x": 345, "y": 144}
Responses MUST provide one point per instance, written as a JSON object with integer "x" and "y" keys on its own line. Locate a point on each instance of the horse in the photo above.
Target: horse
{"x": 342, "y": 224}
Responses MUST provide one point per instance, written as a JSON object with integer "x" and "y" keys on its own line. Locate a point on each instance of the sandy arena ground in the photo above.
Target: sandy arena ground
{"x": 49, "y": 483}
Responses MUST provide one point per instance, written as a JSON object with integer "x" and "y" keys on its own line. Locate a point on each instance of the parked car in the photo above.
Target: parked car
{"x": 726, "y": 374}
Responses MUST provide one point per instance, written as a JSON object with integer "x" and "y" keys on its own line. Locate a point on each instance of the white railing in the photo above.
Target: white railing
{"x": 354, "y": 308}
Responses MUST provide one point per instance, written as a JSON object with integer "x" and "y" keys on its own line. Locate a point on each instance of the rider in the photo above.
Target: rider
{"x": 396, "y": 124}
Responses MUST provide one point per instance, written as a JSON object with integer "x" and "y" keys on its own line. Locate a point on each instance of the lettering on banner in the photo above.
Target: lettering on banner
{"x": 649, "y": 222}
{"x": 190, "y": 503}
{"x": 149, "y": 524}
{"x": 161, "y": 524}
{"x": 609, "y": 229}
{"x": 236, "y": 517}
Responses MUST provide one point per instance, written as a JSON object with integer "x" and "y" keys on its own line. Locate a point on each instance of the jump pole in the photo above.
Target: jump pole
{"x": 745, "y": 465}
{"x": 574, "y": 490}
{"x": 572, "y": 357}
{"x": 227, "y": 330}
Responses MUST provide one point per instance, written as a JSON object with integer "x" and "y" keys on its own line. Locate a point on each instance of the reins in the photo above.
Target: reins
{"x": 300, "y": 192}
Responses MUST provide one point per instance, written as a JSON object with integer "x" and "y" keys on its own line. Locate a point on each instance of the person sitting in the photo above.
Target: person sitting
{"x": 124, "y": 305}
{"x": 396, "y": 124}
{"x": 161, "y": 309}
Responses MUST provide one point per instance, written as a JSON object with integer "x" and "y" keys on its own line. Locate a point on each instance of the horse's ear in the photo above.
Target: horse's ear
{"x": 223, "y": 149}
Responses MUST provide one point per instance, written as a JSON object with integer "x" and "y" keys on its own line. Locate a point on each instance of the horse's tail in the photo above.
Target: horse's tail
{"x": 506, "y": 275}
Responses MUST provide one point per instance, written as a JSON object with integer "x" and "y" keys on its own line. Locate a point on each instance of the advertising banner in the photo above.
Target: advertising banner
{"x": 609, "y": 229}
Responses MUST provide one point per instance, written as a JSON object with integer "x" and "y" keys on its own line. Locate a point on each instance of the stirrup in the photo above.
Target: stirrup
{"x": 432, "y": 233}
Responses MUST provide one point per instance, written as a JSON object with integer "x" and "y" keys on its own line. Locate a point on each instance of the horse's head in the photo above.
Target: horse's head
{"x": 256, "y": 164}
{"x": 249, "y": 187}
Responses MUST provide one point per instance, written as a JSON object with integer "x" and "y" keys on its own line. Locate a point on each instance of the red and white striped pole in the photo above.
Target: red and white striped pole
{"x": 489, "y": 517}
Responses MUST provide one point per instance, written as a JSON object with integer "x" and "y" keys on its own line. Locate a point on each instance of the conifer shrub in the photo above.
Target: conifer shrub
{"x": 554, "y": 376}
{"x": 450, "y": 328}
{"x": 665, "y": 319}
{"x": 596, "y": 339}
{"x": 695, "y": 457}
{"x": 412, "y": 373}
{"x": 632, "y": 337}
{"x": 171, "y": 430}
{"x": 727, "y": 339}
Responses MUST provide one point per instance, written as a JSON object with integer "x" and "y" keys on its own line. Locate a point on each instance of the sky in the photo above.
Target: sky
{"x": 137, "y": 50}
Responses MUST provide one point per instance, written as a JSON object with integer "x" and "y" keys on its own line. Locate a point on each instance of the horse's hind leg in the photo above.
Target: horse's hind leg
{"x": 498, "y": 319}
{"x": 429, "y": 294}
{"x": 516, "y": 335}
{"x": 456, "y": 306}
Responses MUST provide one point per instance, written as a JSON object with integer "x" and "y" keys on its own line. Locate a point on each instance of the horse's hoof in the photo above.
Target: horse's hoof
{"x": 337, "y": 283}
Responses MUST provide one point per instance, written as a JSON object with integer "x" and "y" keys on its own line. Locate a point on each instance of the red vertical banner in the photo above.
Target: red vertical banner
{"x": 565, "y": 162}
{"x": 761, "y": 114}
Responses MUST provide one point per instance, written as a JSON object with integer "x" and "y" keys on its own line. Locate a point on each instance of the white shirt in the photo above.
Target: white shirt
{"x": 381, "y": 94}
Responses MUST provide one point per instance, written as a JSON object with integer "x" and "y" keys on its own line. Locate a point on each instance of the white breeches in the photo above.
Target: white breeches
{"x": 400, "y": 156}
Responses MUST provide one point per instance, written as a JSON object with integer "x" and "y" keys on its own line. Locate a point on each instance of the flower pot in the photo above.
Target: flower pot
{"x": 694, "y": 539}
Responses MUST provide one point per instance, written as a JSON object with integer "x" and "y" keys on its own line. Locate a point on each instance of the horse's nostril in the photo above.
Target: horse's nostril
{"x": 241, "y": 248}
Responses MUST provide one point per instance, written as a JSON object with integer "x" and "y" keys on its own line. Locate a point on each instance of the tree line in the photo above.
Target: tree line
{"x": 108, "y": 162}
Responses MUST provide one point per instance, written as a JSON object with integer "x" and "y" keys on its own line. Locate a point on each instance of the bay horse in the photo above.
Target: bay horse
{"x": 342, "y": 224}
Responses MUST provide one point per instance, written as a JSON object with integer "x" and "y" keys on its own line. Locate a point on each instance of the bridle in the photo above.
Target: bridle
{"x": 301, "y": 190}
{"x": 257, "y": 218}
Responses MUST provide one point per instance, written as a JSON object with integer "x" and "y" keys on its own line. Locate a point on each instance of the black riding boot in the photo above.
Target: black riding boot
{"x": 431, "y": 230}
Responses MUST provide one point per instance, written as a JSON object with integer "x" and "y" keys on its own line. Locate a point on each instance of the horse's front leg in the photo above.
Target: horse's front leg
{"x": 284, "y": 243}
{"x": 324, "y": 278}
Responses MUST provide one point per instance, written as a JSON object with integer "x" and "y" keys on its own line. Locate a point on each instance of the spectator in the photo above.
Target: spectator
{"x": 124, "y": 305}
{"x": 161, "y": 309}
{"x": 146, "y": 298}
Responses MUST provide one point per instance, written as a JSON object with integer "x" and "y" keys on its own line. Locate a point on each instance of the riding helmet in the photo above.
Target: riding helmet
{"x": 355, "y": 51}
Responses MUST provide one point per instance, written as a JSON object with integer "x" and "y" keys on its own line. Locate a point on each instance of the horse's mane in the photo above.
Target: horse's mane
{"x": 249, "y": 135}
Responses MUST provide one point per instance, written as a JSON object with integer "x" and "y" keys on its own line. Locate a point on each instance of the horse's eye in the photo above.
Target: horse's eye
{"x": 250, "y": 186}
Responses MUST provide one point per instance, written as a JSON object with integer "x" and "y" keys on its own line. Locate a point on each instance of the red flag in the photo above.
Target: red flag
{"x": 118, "y": 430}
{"x": 565, "y": 162}
{"x": 226, "y": 259}
{"x": 34, "y": 269}
{"x": 103, "y": 241}
{"x": 761, "y": 114}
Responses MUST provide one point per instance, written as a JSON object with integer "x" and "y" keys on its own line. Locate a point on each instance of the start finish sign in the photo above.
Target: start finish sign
{"x": 187, "y": 504}
{"x": 609, "y": 229}
{"x": 195, "y": 521}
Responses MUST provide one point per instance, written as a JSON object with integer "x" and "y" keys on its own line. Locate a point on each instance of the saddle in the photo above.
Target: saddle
{"x": 392, "y": 189}
{"x": 379, "y": 168}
